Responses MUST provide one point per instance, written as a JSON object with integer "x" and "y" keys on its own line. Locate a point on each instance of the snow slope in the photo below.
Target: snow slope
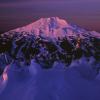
{"x": 78, "y": 82}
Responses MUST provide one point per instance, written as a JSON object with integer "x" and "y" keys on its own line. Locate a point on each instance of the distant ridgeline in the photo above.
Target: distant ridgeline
{"x": 22, "y": 45}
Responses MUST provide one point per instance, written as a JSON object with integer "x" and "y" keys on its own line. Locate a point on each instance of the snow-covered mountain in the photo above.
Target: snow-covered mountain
{"x": 53, "y": 27}
{"x": 54, "y": 37}
{"x": 71, "y": 51}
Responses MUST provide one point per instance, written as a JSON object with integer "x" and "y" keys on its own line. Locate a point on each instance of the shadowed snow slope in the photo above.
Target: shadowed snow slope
{"x": 77, "y": 82}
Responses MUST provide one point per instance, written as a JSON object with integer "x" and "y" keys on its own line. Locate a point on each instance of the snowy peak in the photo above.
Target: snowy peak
{"x": 42, "y": 23}
{"x": 49, "y": 26}
{"x": 53, "y": 27}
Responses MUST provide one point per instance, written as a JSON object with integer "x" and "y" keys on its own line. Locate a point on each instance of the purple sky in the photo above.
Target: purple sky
{"x": 16, "y": 13}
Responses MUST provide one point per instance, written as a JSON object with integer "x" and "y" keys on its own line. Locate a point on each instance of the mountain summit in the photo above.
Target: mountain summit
{"x": 53, "y": 27}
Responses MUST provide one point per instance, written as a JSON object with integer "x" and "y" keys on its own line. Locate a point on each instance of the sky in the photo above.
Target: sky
{"x": 17, "y": 13}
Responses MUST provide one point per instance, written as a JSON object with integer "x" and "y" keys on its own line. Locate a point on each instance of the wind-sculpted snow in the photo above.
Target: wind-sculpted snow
{"x": 78, "y": 81}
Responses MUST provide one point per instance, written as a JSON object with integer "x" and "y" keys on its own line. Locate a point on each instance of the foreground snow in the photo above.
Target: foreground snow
{"x": 77, "y": 82}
